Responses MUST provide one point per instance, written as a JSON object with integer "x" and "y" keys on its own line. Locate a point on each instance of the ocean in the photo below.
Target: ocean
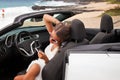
{"x": 24, "y": 6}
{"x": 14, "y": 8}
{"x": 16, "y": 3}
{"x": 17, "y": 7}
{"x": 29, "y": 3}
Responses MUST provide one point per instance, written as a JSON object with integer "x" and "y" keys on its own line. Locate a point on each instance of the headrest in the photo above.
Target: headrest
{"x": 106, "y": 24}
{"x": 77, "y": 30}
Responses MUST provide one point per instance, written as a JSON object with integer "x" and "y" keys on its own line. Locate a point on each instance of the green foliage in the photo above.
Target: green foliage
{"x": 114, "y": 1}
{"x": 113, "y": 12}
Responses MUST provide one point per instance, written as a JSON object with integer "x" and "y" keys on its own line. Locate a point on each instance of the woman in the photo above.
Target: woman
{"x": 58, "y": 34}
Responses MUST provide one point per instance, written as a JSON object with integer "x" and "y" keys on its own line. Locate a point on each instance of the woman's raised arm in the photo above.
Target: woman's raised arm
{"x": 48, "y": 19}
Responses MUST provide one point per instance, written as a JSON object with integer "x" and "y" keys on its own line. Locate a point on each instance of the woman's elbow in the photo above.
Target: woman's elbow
{"x": 45, "y": 16}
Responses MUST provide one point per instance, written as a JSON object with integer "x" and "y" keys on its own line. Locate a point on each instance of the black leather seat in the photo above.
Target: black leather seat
{"x": 55, "y": 69}
{"x": 105, "y": 35}
{"x": 78, "y": 32}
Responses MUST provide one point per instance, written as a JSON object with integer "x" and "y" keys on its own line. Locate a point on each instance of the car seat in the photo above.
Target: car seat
{"x": 55, "y": 69}
{"x": 78, "y": 32}
{"x": 105, "y": 35}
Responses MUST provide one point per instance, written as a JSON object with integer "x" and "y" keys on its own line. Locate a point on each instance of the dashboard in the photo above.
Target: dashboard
{"x": 7, "y": 42}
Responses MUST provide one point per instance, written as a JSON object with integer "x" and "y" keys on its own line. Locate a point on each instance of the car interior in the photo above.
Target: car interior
{"x": 18, "y": 43}
{"x": 110, "y": 45}
{"x": 105, "y": 35}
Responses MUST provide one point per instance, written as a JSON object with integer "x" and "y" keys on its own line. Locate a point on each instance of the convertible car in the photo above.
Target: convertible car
{"x": 90, "y": 54}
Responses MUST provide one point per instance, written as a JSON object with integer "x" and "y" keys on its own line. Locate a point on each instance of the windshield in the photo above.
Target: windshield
{"x": 31, "y": 22}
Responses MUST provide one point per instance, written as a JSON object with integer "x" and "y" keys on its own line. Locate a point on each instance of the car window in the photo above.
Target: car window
{"x": 31, "y": 22}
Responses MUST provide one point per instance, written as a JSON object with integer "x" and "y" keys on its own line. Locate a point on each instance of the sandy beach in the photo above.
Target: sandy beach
{"x": 11, "y": 13}
{"x": 90, "y": 15}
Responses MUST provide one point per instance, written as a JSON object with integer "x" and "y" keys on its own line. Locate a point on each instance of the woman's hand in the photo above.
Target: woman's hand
{"x": 43, "y": 56}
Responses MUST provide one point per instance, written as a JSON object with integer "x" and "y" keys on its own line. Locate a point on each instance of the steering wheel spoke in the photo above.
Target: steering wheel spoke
{"x": 25, "y": 52}
{"x": 27, "y": 47}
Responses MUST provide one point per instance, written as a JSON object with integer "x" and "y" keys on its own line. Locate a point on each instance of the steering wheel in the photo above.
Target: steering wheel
{"x": 26, "y": 44}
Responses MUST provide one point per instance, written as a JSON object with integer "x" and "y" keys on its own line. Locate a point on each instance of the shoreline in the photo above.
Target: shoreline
{"x": 89, "y": 13}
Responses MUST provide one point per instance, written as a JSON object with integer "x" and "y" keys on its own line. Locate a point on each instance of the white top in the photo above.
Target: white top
{"x": 50, "y": 54}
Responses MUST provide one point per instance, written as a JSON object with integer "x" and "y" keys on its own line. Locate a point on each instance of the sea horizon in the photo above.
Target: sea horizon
{"x": 30, "y": 3}
{"x": 16, "y": 3}
{"x": 14, "y": 8}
